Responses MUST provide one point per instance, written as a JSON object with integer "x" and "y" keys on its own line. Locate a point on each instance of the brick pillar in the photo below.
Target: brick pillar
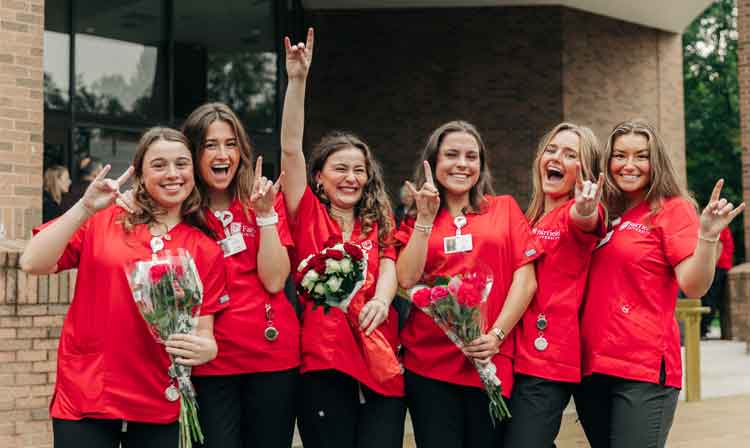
{"x": 743, "y": 68}
{"x": 21, "y": 115}
{"x": 31, "y": 314}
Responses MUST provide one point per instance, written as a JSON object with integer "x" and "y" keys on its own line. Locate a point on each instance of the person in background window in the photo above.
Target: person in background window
{"x": 88, "y": 169}
{"x": 715, "y": 297}
{"x": 406, "y": 200}
{"x": 56, "y": 183}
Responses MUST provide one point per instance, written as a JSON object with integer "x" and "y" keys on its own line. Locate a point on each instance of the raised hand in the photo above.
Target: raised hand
{"x": 718, "y": 214}
{"x": 427, "y": 199}
{"x": 102, "y": 191}
{"x": 299, "y": 56}
{"x": 264, "y": 190}
{"x": 587, "y": 193}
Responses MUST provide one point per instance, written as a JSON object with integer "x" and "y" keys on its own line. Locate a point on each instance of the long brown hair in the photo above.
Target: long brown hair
{"x": 588, "y": 156}
{"x": 195, "y": 129}
{"x": 663, "y": 184}
{"x": 482, "y": 187}
{"x": 149, "y": 209}
{"x": 51, "y": 181}
{"x": 374, "y": 206}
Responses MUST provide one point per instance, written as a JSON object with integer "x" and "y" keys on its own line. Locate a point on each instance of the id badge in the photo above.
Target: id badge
{"x": 233, "y": 245}
{"x": 458, "y": 243}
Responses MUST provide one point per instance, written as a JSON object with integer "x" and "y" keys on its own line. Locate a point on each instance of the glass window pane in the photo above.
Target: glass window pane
{"x": 56, "y": 55}
{"x": 111, "y": 146}
{"x": 225, "y": 51}
{"x": 120, "y": 59}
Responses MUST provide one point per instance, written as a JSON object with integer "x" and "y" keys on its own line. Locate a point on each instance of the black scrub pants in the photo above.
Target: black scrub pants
{"x": 537, "y": 406}
{"x": 336, "y": 411}
{"x": 620, "y": 413}
{"x": 446, "y": 415}
{"x": 97, "y": 433}
{"x": 252, "y": 410}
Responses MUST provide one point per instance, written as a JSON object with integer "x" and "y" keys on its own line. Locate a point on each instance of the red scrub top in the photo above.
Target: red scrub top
{"x": 239, "y": 331}
{"x": 726, "y": 258}
{"x": 561, "y": 278}
{"x": 628, "y": 325}
{"x": 109, "y": 366}
{"x": 328, "y": 341}
{"x": 502, "y": 242}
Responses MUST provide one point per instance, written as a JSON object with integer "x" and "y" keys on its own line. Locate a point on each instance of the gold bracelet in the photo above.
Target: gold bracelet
{"x": 708, "y": 240}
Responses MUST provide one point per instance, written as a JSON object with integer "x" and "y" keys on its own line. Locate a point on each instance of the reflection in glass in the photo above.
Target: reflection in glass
{"x": 225, "y": 51}
{"x": 118, "y": 59}
{"x": 113, "y": 147}
{"x": 56, "y": 72}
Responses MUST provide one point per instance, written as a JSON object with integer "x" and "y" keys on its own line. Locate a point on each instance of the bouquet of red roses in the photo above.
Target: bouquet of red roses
{"x": 169, "y": 293}
{"x": 332, "y": 277}
{"x": 457, "y": 304}
{"x": 338, "y": 277}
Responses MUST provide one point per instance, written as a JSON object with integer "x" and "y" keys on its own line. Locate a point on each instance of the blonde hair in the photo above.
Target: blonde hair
{"x": 482, "y": 187}
{"x": 51, "y": 181}
{"x": 663, "y": 183}
{"x": 374, "y": 206}
{"x": 588, "y": 156}
{"x": 191, "y": 207}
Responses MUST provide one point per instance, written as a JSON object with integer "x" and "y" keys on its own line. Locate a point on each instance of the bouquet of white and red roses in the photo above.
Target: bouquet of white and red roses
{"x": 332, "y": 277}
{"x": 457, "y": 304}
{"x": 338, "y": 277}
{"x": 169, "y": 293}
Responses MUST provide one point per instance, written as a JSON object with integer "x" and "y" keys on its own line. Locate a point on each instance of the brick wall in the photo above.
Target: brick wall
{"x": 514, "y": 72}
{"x": 31, "y": 313}
{"x": 614, "y": 71}
{"x": 743, "y": 67}
{"x": 21, "y": 115}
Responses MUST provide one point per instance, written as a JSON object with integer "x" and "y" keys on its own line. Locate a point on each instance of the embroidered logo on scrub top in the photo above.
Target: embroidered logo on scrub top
{"x": 640, "y": 228}
{"x": 367, "y": 245}
{"x": 552, "y": 235}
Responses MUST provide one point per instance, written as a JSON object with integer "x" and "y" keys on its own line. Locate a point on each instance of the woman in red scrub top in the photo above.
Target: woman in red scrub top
{"x": 339, "y": 195}
{"x": 246, "y": 395}
{"x": 456, "y": 196}
{"x": 112, "y": 376}
{"x": 657, "y": 245}
{"x": 567, "y": 219}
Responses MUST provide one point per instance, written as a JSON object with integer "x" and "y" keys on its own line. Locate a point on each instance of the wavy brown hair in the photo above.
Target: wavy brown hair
{"x": 663, "y": 184}
{"x": 51, "y": 181}
{"x": 374, "y": 206}
{"x": 195, "y": 129}
{"x": 149, "y": 209}
{"x": 588, "y": 156}
{"x": 482, "y": 187}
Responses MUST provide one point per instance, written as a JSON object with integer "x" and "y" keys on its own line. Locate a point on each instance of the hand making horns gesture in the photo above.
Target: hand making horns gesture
{"x": 264, "y": 190}
{"x": 102, "y": 191}
{"x": 427, "y": 199}
{"x": 299, "y": 56}
{"x": 587, "y": 193}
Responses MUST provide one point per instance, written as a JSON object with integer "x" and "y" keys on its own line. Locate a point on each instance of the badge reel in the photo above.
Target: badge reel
{"x": 458, "y": 243}
{"x": 234, "y": 243}
{"x": 271, "y": 333}
{"x": 540, "y": 343}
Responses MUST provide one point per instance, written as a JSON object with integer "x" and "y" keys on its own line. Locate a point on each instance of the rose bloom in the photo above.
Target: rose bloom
{"x": 438, "y": 292}
{"x": 353, "y": 251}
{"x": 335, "y": 254}
{"x": 157, "y": 272}
{"x": 469, "y": 295}
{"x": 421, "y": 298}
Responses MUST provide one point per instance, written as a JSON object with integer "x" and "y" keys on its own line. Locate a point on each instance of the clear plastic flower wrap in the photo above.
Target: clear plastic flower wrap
{"x": 168, "y": 292}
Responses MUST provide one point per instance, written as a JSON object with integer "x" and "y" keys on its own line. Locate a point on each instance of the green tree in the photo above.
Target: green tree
{"x": 712, "y": 118}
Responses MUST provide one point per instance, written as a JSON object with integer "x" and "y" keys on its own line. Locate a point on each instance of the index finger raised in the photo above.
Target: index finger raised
{"x": 717, "y": 190}
{"x": 310, "y": 39}
{"x": 258, "y": 167}
{"x": 600, "y": 182}
{"x": 103, "y": 173}
{"x": 428, "y": 173}
{"x": 579, "y": 176}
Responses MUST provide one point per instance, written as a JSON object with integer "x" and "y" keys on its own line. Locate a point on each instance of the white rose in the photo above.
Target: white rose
{"x": 332, "y": 266}
{"x": 346, "y": 265}
{"x": 319, "y": 289}
{"x": 309, "y": 279}
{"x": 333, "y": 283}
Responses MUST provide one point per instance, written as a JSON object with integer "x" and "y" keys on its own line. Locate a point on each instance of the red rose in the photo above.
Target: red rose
{"x": 335, "y": 254}
{"x": 178, "y": 271}
{"x": 332, "y": 241}
{"x": 318, "y": 263}
{"x": 438, "y": 292}
{"x": 157, "y": 272}
{"x": 469, "y": 295}
{"x": 421, "y": 298}
{"x": 353, "y": 251}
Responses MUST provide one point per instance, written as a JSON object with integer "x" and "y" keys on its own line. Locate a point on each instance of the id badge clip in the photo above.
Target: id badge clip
{"x": 458, "y": 243}
{"x": 234, "y": 243}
